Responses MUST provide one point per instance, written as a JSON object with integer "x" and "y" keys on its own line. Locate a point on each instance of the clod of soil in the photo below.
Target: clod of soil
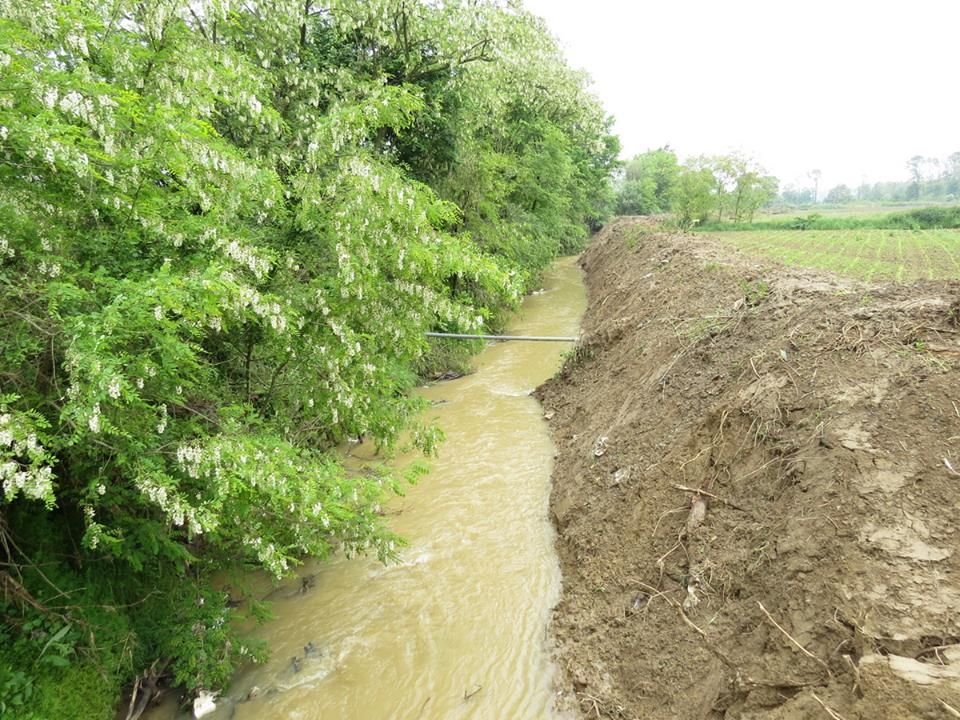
{"x": 771, "y": 529}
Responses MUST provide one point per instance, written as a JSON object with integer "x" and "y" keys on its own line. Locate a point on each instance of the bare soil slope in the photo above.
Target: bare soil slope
{"x": 818, "y": 573}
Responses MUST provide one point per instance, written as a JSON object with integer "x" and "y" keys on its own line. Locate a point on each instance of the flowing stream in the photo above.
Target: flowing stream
{"x": 457, "y": 629}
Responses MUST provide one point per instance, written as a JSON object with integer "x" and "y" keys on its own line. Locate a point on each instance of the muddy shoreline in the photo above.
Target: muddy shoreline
{"x": 754, "y": 516}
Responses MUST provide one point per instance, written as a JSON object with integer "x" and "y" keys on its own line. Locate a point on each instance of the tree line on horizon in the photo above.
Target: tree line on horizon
{"x": 731, "y": 188}
{"x": 931, "y": 180}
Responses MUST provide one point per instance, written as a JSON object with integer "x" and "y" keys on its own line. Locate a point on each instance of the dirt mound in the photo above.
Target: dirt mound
{"x": 817, "y": 573}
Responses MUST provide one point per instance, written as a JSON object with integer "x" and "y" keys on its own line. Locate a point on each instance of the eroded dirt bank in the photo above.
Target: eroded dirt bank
{"x": 817, "y": 574}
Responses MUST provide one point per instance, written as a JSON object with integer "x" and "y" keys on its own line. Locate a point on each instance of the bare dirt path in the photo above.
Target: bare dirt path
{"x": 816, "y": 573}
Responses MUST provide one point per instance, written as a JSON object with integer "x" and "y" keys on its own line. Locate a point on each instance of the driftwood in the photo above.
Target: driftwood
{"x": 146, "y": 689}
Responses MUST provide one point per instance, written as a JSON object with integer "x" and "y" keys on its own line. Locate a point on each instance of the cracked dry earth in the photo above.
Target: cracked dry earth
{"x": 753, "y": 494}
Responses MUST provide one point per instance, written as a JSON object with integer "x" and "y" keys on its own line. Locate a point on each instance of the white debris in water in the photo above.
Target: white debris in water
{"x": 204, "y": 704}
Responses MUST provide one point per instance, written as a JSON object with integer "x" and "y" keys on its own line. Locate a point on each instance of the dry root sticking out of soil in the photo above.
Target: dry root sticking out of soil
{"x": 756, "y": 497}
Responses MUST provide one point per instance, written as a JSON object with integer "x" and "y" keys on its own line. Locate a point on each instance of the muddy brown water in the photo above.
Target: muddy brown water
{"x": 458, "y": 628}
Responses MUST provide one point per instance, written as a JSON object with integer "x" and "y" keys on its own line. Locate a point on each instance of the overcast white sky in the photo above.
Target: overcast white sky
{"x": 850, "y": 87}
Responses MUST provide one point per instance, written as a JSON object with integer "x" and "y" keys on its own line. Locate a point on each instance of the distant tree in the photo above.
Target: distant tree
{"x": 726, "y": 169}
{"x": 915, "y": 166}
{"x": 797, "y": 196}
{"x": 649, "y": 182}
{"x": 752, "y": 190}
{"x": 951, "y": 166}
{"x": 740, "y": 185}
{"x": 694, "y": 198}
{"x": 839, "y": 194}
{"x": 951, "y": 173}
{"x": 815, "y": 175}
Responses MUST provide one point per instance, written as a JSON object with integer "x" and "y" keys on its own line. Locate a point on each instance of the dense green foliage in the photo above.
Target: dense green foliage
{"x": 225, "y": 229}
{"x": 655, "y": 182}
{"x": 649, "y": 183}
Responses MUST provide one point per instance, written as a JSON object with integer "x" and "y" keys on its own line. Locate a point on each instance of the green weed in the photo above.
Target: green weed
{"x": 754, "y": 291}
{"x": 633, "y": 234}
{"x": 703, "y": 328}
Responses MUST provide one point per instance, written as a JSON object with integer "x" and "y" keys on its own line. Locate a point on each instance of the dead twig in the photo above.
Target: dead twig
{"x": 792, "y": 640}
{"x": 693, "y": 626}
{"x": 145, "y": 689}
{"x": 856, "y": 673}
{"x": 830, "y": 711}
{"x": 133, "y": 699}
{"x": 663, "y": 515}
{"x": 595, "y": 702}
{"x": 698, "y": 491}
{"x": 667, "y": 554}
{"x": 935, "y": 649}
{"x": 949, "y": 708}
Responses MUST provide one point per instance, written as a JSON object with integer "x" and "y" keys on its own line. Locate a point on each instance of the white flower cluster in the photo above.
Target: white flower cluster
{"x": 77, "y": 41}
{"x": 267, "y": 554}
{"x": 219, "y": 162}
{"x": 113, "y": 390}
{"x": 189, "y": 457}
{"x": 52, "y": 269}
{"x": 94, "y": 529}
{"x": 270, "y": 310}
{"x": 246, "y": 255}
{"x": 24, "y": 463}
{"x": 93, "y": 421}
{"x": 176, "y": 508}
{"x": 96, "y": 112}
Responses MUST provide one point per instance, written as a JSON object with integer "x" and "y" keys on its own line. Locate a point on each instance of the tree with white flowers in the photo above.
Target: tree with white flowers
{"x": 226, "y": 228}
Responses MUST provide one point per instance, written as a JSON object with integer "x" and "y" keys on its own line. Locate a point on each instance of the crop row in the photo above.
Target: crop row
{"x": 898, "y": 255}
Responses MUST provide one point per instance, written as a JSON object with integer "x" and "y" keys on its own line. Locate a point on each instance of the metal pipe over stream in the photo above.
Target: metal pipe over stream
{"x": 529, "y": 338}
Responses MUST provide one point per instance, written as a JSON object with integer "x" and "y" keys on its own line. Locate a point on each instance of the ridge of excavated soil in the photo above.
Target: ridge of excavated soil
{"x": 816, "y": 575}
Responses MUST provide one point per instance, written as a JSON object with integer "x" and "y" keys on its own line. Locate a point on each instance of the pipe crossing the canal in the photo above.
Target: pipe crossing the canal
{"x": 530, "y": 338}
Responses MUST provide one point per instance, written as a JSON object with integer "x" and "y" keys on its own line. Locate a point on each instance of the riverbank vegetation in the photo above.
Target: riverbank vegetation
{"x": 225, "y": 230}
